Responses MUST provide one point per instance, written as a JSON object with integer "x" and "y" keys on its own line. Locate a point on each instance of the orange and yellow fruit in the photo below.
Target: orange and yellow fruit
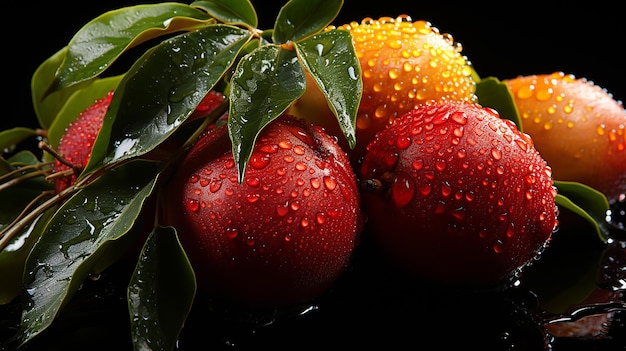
{"x": 404, "y": 63}
{"x": 578, "y": 127}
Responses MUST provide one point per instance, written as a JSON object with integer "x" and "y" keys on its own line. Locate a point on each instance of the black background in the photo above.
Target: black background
{"x": 584, "y": 39}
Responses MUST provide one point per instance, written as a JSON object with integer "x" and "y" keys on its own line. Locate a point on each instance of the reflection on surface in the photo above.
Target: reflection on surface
{"x": 571, "y": 299}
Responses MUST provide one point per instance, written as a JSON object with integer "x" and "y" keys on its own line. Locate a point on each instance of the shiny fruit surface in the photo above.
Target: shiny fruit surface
{"x": 578, "y": 127}
{"x": 284, "y": 234}
{"x": 77, "y": 141}
{"x": 404, "y": 63}
{"x": 457, "y": 195}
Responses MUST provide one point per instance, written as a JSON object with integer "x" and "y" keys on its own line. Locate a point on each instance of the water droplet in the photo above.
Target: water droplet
{"x": 252, "y": 198}
{"x": 498, "y": 246}
{"x": 418, "y": 164}
{"x": 215, "y": 185}
{"x": 232, "y": 233}
{"x": 440, "y": 165}
{"x": 304, "y": 222}
{"x": 259, "y": 161}
{"x": 315, "y": 183}
{"x": 402, "y": 190}
{"x": 320, "y": 218}
{"x": 403, "y": 142}
{"x": 192, "y": 205}
{"x": 253, "y": 181}
{"x": 301, "y": 166}
{"x": 330, "y": 183}
{"x": 282, "y": 209}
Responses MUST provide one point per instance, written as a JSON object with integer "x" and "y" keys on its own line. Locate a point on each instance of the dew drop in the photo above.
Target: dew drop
{"x": 418, "y": 164}
{"x": 304, "y": 222}
{"x": 192, "y": 205}
{"x": 252, "y": 198}
{"x": 402, "y": 190}
{"x": 215, "y": 186}
{"x": 252, "y": 181}
{"x": 259, "y": 161}
{"x": 330, "y": 183}
{"x": 440, "y": 165}
{"x": 403, "y": 142}
{"x": 459, "y": 213}
{"x": 498, "y": 246}
{"x": 281, "y": 210}
{"x": 232, "y": 233}
{"x": 301, "y": 166}
{"x": 315, "y": 183}
{"x": 284, "y": 144}
{"x": 496, "y": 154}
{"x": 320, "y": 218}
{"x": 425, "y": 189}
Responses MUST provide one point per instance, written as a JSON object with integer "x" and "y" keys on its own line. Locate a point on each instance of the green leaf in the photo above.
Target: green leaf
{"x": 162, "y": 89}
{"x": 101, "y": 41}
{"x": 590, "y": 204}
{"x": 13, "y": 257}
{"x": 299, "y": 19}
{"x": 77, "y": 103}
{"x": 331, "y": 60}
{"x": 21, "y": 181}
{"x": 265, "y": 84}
{"x": 493, "y": 93}
{"x": 47, "y": 106}
{"x": 11, "y": 137}
{"x": 78, "y": 235}
{"x": 13, "y": 201}
{"x": 230, "y": 11}
{"x": 161, "y": 292}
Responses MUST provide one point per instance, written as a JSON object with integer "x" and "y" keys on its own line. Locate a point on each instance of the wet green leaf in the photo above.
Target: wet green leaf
{"x": 162, "y": 89}
{"x": 586, "y": 202}
{"x": 230, "y": 11}
{"x": 160, "y": 292}
{"x": 299, "y": 19}
{"x": 265, "y": 84}
{"x": 9, "y": 138}
{"x": 101, "y": 41}
{"x": 493, "y": 93}
{"x": 13, "y": 201}
{"x": 331, "y": 60}
{"x": 13, "y": 257}
{"x": 21, "y": 181}
{"x": 47, "y": 107}
{"x": 76, "y": 237}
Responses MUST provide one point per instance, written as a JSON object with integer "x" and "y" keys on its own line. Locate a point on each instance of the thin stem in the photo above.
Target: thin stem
{"x": 19, "y": 179}
{"x": 9, "y": 232}
{"x": 4, "y": 237}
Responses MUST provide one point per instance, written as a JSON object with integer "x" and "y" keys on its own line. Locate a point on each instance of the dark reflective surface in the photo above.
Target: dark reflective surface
{"x": 571, "y": 299}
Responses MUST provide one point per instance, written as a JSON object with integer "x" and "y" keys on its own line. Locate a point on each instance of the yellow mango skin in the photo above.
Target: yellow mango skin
{"x": 404, "y": 64}
{"x": 577, "y": 126}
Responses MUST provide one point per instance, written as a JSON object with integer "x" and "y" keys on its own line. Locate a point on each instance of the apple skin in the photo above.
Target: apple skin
{"x": 282, "y": 236}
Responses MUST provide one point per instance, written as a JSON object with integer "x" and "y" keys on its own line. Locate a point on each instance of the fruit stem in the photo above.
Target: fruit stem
{"x": 44, "y": 146}
{"x": 24, "y": 218}
{"x": 39, "y": 171}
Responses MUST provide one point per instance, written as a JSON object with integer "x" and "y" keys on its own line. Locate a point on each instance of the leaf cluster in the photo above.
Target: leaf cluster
{"x": 185, "y": 51}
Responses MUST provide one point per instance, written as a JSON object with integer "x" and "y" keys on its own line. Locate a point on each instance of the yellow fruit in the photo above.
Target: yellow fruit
{"x": 404, "y": 63}
{"x": 578, "y": 127}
